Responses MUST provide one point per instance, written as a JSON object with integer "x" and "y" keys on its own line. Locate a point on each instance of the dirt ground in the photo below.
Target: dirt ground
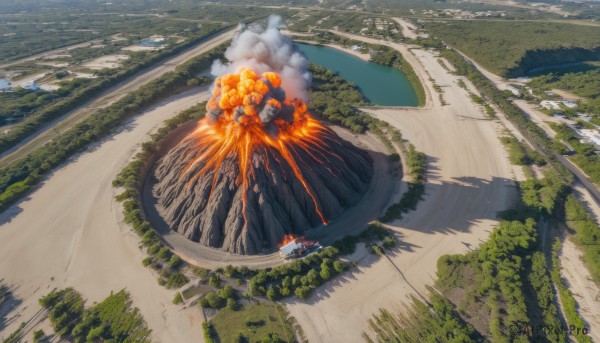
{"x": 469, "y": 181}
{"x": 69, "y": 233}
{"x": 108, "y": 61}
{"x": 585, "y": 291}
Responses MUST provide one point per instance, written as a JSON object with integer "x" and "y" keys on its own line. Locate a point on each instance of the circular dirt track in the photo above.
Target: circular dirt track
{"x": 354, "y": 219}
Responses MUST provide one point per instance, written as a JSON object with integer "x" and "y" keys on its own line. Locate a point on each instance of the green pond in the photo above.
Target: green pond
{"x": 382, "y": 85}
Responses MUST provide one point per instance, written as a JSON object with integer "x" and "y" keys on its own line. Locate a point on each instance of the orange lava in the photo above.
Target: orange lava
{"x": 286, "y": 239}
{"x": 236, "y": 128}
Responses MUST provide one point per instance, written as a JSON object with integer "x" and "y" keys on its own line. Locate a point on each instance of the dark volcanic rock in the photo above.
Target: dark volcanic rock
{"x": 208, "y": 209}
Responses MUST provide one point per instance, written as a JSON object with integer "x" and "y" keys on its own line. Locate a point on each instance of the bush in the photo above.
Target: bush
{"x": 178, "y": 299}
{"x": 339, "y": 266}
{"x": 215, "y": 280}
{"x": 272, "y": 293}
{"x": 303, "y": 292}
{"x": 214, "y": 300}
{"x": 177, "y": 280}
{"x": 175, "y": 262}
{"x": 226, "y": 292}
{"x": 231, "y": 304}
{"x": 38, "y": 335}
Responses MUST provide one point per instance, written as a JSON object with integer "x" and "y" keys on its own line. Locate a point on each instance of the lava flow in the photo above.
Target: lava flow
{"x": 249, "y": 113}
{"x": 258, "y": 167}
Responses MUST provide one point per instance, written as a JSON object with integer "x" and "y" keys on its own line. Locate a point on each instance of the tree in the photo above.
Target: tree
{"x": 214, "y": 300}
{"x": 231, "y": 304}
{"x": 325, "y": 273}
{"x": 226, "y": 292}
{"x": 339, "y": 266}
{"x": 302, "y": 292}
{"x": 272, "y": 293}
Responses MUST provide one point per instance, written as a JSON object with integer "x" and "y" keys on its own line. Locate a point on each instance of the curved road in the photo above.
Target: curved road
{"x": 69, "y": 233}
{"x": 352, "y": 222}
{"x": 469, "y": 180}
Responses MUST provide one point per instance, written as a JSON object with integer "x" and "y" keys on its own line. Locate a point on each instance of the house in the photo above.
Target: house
{"x": 570, "y": 103}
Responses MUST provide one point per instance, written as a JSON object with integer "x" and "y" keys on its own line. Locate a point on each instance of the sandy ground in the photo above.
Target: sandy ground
{"x": 141, "y": 48}
{"x": 68, "y": 233}
{"x": 469, "y": 181}
{"x": 108, "y": 97}
{"x": 27, "y": 80}
{"x": 585, "y": 191}
{"x": 84, "y": 75}
{"x": 49, "y": 54}
{"x": 108, "y": 61}
{"x": 585, "y": 291}
{"x": 358, "y": 54}
{"x": 54, "y": 64}
{"x": 567, "y": 95}
{"x": 409, "y": 30}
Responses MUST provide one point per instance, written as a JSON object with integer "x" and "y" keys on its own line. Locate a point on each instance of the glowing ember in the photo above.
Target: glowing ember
{"x": 287, "y": 239}
{"x": 248, "y": 113}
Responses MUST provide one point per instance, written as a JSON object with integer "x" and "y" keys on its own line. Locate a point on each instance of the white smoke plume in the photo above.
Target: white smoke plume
{"x": 265, "y": 50}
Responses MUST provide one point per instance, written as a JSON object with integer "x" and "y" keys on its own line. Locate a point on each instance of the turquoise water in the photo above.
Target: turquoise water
{"x": 151, "y": 43}
{"x": 4, "y": 84}
{"x": 382, "y": 85}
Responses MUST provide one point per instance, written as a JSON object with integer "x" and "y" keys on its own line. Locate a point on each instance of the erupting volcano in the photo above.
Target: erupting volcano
{"x": 258, "y": 167}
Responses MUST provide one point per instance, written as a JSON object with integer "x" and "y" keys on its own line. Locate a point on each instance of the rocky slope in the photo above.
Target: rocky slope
{"x": 208, "y": 209}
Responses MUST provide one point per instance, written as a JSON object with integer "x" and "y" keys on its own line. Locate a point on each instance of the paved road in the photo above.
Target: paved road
{"x": 104, "y": 99}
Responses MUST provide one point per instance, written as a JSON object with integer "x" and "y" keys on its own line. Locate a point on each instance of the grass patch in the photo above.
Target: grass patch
{"x": 510, "y": 48}
{"x": 253, "y": 323}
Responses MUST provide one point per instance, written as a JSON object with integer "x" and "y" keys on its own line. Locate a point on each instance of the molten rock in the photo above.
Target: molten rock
{"x": 258, "y": 166}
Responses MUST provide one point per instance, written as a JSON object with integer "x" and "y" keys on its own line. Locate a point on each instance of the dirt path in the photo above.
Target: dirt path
{"x": 469, "y": 181}
{"x": 585, "y": 291}
{"x": 54, "y": 128}
{"x": 68, "y": 233}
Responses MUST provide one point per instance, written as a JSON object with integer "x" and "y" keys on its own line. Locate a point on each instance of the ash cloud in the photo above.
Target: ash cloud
{"x": 264, "y": 50}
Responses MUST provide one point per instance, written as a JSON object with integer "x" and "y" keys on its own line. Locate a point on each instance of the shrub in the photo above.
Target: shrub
{"x": 177, "y": 280}
{"x": 214, "y": 300}
{"x": 38, "y": 335}
{"x": 178, "y": 299}
{"x": 303, "y": 292}
{"x": 215, "y": 281}
{"x": 272, "y": 293}
{"x": 339, "y": 266}
{"x": 226, "y": 292}
{"x": 231, "y": 304}
{"x": 175, "y": 262}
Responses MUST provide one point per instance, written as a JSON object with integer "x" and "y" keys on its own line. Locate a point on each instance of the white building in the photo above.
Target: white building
{"x": 569, "y": 103}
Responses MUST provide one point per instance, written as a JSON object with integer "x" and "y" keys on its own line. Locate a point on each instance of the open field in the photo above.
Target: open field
{"x": 69, "y": 233}
{"x": 115, "y": 93}
{"x": 502, "y": 46}
{"x": 469, "y": 181}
